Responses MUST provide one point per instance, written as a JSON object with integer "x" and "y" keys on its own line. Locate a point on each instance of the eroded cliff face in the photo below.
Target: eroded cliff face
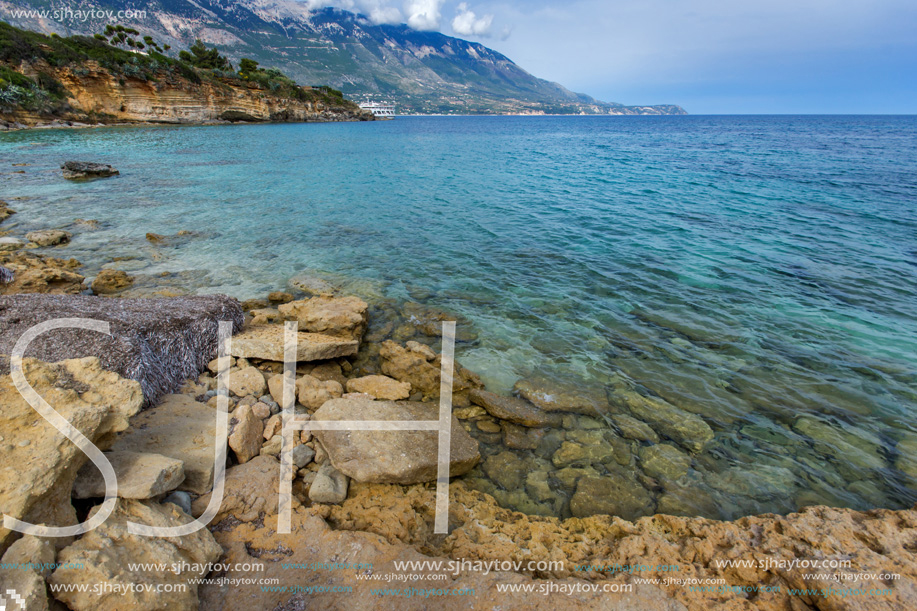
{"x": 101, "y": 97}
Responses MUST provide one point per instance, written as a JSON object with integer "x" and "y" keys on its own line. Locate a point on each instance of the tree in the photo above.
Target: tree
{"x": 247, "y": 66}
{"x": 202, "y": 57}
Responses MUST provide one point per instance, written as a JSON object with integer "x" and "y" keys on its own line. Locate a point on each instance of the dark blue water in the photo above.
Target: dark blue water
{"x": 760, "y": 272}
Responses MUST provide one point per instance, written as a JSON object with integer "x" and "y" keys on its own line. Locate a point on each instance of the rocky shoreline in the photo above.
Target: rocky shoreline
{"x": 368, "y": 497}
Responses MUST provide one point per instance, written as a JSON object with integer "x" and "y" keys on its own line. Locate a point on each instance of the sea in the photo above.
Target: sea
{"x": 759, "y": 272}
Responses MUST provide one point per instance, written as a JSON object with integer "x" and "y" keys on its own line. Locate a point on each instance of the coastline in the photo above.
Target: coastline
{"x": 386, "y": 521}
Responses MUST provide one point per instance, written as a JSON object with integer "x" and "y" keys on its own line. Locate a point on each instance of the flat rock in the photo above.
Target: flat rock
{"x": 380, "y": 387}
{"x": 158, "y": 342}
{"x": 140, "y": 476}
{"x": 49, "y": 237}
{"x": 39, "y": 464}
{"x": 343, "y": 317}
{"x": 512, "y": 409}
{"x": 553, "y": 397}
{"x": 181, "y": 428}
{"x": 395, "y": 457}
{"x": 101, "y": 557}
{"x": 266, "y": 342}
{"x": 84, "y": 170}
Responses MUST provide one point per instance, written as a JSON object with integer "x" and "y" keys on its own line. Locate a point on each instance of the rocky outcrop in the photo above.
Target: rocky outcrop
{"x": 48, "y": 237}
{"x": 158, "y": 342}
{"x": 39, "y": 464}
{"x": 32, "y": 273}
{"x": 100, "y": 558}
{"x": 182, "y": 429}
{"x": 403, "y": 457}
{"x": 110, "y": 281}
{"x": 85, "y": 170}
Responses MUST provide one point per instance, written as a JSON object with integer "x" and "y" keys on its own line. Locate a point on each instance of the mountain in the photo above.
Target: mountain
{"x": 422, "y": 72}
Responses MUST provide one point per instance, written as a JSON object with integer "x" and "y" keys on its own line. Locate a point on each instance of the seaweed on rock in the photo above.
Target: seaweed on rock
{"x": 158, "y": 342}
{"x": 6, "y": 275}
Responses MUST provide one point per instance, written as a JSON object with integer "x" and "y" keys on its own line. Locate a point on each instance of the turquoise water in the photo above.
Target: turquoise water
{"x": 755, "y": 271}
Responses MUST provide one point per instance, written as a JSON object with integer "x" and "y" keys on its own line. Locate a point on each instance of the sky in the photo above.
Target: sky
{"x": 709, "y": 56}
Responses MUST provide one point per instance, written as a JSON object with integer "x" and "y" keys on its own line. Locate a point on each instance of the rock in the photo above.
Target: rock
{"x": 329, "y": 486}
{"x": 380, "y": 387}
{"x": 158, "y": 342}
{"x": 550, "y": 397}
{"x": 513, "y": 410}
{"x": 907, "y": 458}
{"x": 140, "y": 476}
{"x": 181, "y": 428}
{"x": 686, "y": 429}
{"x": 280, "y": 297}
{"x": 664, "y": 461}
{"x": 265, "y": 316}
{"x": 84, "y": 170}
{"x": 110, "y": 281}
{"x": 273, "y": 426}
{"x": 248, "y": 381}
{"x": 266, "y": 342}
{"x": 101, "y": 556}
{"x": 34, "y": 273}
{"x": 571, "y": 453}
{"x": 507, "y": 469}
{"x": 851, "y": 445}
{"x": 537, "y": 486}
{"x": 612, "y": 494}
{"x": 9, "y": 244}
{"x": 343, "y": 317}
{"x": 246, "y": 436}
{"x": 250, "y": 491}
{"x": 273, "y": 446}
{"x": 39, "y": 464}
{"x": 311, "y": 285}
{"x": 22, "y": 590}
{"x": 329, "y": 371}
{"x": 302, "y": 455}
{"x": 429, "y": 321}
{"x": 261, "y": 410}
{"x": 415, "y": 368}
{"x": 5, "y": 211}
{"x": 488, "y": 426}
{"x": 32, "y": 551}
{"x": 422, "y": 349}
{"x": 313, "y": 393}
{"x": 520, "y": 437}
{"x": 49, "y": 237}
{"x": 182, "y": 499}
{"x": 631, "y": 428}
{"x": 398, "y": 457}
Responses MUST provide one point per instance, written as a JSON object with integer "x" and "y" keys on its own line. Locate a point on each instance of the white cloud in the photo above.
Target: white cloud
{"x": 378, "y": 11}
{"x": 423, "y": 14}
{"x": 466, "y": 23}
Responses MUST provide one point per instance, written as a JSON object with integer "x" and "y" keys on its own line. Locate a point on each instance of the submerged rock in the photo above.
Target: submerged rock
{"x": 100, "y": 558}
{"x": 552, "y": 397}
{"x": 685, "y": 429}
{"x": 665, "y": 461}
{"x": 39, "y": 464}
{"x": 140, "y": 476}
{"x": 851, "y": 445}
{"x": 512, "y": 409}
{"x": 84, "y": 170}
{"x": 396, "y": 457}
{"x": 612, "y": 494}
{"x": 158, "y": 342}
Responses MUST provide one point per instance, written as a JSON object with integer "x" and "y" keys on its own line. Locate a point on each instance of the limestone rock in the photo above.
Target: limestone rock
{"x": 612, "y": 494}
{"x": 398, "y": 457}
{"x": 5, "y": 211}
{"x": 32, "y": 551}
{"x": 49, "y": 237}
{"x": 507, "y": 469}
{"x": 686, "y": 429}
{"x": 9, "y": 244}
{"x": 631, "y": 428}
{"x": 273, "y": 446}
{"x": 520, "y": 437}
{"x": 161, "y": 343}
{"x": 250, "y": 491}
{"x": 280, "y": 297}
{"x": 181, "y": 428}
{"x": 140, "y": 476}
{"x": 103, "y": 555}
{"x": 313, "y": 393}
{"x": 84, "y": 170}
{"x": 343, "y": 317}
{"x": 33, "y": 273}
{"x": 848, "y": 444}
{"x": 417, "y": 369}
{"x": 302, "y": 455}
{"x": 246, "y": 433}
{"x": 266, "y": 342}
{"x": 22, "y": 590}
{"x": 553, "y": 397}
{"x": 39, "y": 464}
{"x": 110, "y": 281}
{"x": 329, "y": 486}
{"x": 248, "y": 381}
{"x": 311, "y": 284}
{"x": 511, "y": 409}
{"x": 380, "y": 387}
{"x": 664, "y": 460}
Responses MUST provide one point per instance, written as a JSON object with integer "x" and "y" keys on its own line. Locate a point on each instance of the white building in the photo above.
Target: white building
{"x": 379, "y": 109}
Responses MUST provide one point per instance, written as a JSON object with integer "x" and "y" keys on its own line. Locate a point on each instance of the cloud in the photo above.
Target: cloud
{"x": 378, "y": 11}
{"x": 466, "y": 23}
{"x": 423, "y": 14}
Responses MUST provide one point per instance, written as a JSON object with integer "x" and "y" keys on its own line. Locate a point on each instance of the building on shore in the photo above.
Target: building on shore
{"x": 379, "y": 109}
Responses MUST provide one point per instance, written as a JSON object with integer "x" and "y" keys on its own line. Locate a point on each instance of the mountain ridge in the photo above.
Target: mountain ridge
{"x": 422, "y": 72}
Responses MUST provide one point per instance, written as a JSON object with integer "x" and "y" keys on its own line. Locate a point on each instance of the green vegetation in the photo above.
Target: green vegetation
{"x": 115, "y": 50}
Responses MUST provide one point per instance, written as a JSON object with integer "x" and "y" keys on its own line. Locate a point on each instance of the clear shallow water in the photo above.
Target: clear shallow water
{"x": 760, "y": 272}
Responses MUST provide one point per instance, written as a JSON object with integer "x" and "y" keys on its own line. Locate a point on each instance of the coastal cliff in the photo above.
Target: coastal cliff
{"x": 52, "y": 80}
